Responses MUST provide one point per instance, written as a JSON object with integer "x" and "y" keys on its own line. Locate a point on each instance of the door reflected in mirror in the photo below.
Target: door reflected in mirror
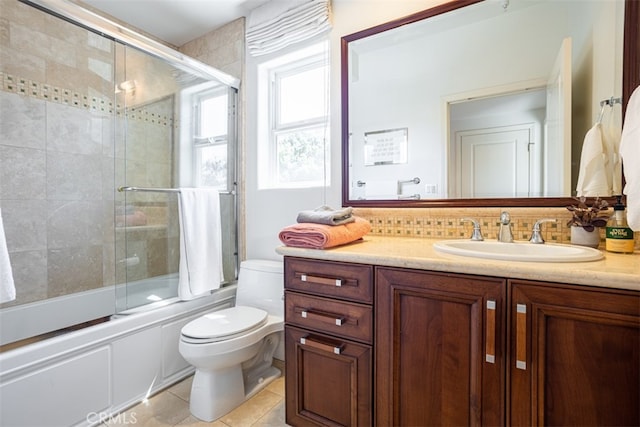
{"x": 495, "y": 101}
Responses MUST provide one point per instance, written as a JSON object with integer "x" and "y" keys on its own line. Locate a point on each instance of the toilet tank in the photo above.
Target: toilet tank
{"x": 261, "y": 285}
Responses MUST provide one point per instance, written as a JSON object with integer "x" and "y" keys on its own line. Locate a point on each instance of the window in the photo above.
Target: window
{"x": 210, "y": 140}
{"x": 296, "y": 152}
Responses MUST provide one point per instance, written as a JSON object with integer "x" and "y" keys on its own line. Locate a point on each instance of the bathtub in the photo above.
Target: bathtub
{"x": 146, "y": 294}
{"x": 53, "y": 314}
{"x": 83, "y": 377}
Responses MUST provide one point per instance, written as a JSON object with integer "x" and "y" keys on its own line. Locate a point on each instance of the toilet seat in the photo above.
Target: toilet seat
{"x": 224, "y": 324}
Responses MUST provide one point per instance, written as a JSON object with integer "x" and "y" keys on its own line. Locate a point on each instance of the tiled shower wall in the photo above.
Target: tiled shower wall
{"x": 59, "y": 163}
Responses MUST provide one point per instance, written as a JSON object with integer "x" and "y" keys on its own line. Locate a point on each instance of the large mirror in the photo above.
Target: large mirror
{"x": 482, "y": 103}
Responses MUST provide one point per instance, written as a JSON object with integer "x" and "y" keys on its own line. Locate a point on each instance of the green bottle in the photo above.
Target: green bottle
{"x": 619, "y": 237}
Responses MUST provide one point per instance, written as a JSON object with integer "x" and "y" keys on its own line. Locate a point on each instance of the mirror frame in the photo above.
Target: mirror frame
{"x": 630, "y": 80}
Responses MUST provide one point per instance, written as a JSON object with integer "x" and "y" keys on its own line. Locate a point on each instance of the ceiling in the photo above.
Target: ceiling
{"x": 176, "y": 21}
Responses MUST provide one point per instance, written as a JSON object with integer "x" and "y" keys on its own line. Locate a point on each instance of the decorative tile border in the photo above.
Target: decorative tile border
{"x": 21, "y": 86}
{"x": 441, "y": 223}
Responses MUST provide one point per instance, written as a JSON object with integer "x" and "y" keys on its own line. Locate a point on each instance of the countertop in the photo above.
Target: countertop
{"x": 618, "y": 271}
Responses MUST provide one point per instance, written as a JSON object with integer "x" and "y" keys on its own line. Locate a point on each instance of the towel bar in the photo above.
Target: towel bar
{"x": 163, "y": 190}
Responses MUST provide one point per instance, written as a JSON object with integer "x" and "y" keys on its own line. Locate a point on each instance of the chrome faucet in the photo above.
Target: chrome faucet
{"x": 476, "y": 235}
{"x": 536, "y": 236}
{"x": 505, "y": 234}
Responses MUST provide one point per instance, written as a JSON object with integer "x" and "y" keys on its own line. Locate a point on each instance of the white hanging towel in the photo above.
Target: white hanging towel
{"x": 592, "y": 177}
{"x": 630, "y": 153}
{"x": 611, "y": 138}
{"x": 200, "y": 269}
{"x": 7, "y": 286}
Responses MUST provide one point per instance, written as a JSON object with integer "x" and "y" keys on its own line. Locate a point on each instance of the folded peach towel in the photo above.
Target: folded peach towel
{"x": 322, "y": 236}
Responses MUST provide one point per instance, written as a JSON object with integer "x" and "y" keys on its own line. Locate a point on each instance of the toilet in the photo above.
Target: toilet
{"x": 232, "y": 349}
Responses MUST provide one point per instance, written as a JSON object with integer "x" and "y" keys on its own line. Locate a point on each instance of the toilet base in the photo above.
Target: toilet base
{"x": 217, "y": 392}
{"x": 213, "y": 396}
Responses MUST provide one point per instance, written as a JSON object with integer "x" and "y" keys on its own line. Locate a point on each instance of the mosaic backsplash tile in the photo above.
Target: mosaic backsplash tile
{"x": 443, "y": 223}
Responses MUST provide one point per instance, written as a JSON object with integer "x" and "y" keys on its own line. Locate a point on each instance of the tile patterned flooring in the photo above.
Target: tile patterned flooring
{"x": 171, "y": 408}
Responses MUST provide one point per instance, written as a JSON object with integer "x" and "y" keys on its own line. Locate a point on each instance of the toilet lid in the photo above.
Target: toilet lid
{"x": 225, "y": 324}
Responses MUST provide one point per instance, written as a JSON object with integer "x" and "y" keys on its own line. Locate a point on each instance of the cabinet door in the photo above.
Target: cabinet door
{"x": 575, "y": 355}
{"x": 328, "y": 380}
{"x": 439, "y": 349}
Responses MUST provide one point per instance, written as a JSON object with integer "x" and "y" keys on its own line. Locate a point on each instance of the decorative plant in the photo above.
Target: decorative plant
{"x": 589, "y": 217}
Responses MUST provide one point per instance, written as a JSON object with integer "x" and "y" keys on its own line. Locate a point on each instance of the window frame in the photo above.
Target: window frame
{"x": 312, "y": 57}
{"x": 202, "y": 141}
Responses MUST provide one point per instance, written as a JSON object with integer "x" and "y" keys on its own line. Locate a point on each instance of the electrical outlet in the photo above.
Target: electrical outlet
{"x": 431, "y": 188}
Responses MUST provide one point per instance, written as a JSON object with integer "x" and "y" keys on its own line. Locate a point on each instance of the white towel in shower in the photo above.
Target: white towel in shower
{"x": 7, "y": 287}
{"x": 200, "y": 242}
{"x": 630, "y": 152}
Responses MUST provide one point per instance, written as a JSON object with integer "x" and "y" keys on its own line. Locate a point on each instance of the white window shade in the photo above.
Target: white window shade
{"x": 280, "y": 23}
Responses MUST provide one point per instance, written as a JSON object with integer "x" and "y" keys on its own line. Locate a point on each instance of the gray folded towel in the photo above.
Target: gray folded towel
{"x": 327, "y": 215}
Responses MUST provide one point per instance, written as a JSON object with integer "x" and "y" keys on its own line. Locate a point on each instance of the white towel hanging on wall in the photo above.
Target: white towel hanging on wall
{"x": 600, "y": 173}
{"x": 7, "y": 286}
{"x": 592, "y": 178}
{"x": 630, "y": 153}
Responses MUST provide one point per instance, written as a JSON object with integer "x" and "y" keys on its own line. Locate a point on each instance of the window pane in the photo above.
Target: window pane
{"x": 301, "y": 155}
{"x": 213, "y": 116}
{"x": 213, "y": 166}
{"x": 302, "y": 96}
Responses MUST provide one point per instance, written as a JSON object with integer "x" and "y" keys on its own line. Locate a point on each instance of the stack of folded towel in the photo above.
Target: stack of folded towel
{"x": 130, "y": 216}
{"x": 324, "y": 228}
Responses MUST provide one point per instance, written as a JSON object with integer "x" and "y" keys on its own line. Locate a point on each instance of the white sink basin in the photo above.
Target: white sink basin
{"x": 519, "y": 251}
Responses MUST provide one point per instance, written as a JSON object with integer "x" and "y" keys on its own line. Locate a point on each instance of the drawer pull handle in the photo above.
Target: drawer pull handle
{"x": 490, "y": 339}
{"x": 323, "y": 317}
{"x": 321, "y": 346}
{"x": 320, "y": 280}
{"x": 521, "y": 336}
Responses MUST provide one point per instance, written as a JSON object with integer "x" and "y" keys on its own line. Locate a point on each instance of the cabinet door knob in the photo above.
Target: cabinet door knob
{"x": 521, "y": 336}
{"x": 331, "y": 348}
{"x": 331, "y": 318}
{"x": 490, "y": 335}
{"x": 320, "y": 280}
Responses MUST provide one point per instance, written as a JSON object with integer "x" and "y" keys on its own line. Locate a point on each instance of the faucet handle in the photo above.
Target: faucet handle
{"x": 477, "y": 232}
{"x": 505, "y": 218}
{"x": 536, "y": 235}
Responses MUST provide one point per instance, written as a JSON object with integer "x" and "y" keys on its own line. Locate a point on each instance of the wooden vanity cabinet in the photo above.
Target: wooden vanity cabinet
{"x": 328, "y": 343}
{"x": 455, "y": 349}
{"x": 439, "y": 349}
{"x": 575, "y": 355}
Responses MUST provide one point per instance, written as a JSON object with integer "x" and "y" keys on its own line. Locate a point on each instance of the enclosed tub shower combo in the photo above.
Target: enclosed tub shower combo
{"x": 100, "y": 127}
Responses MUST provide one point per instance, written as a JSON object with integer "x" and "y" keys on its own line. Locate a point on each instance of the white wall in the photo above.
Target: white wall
{"x": 268, "y": 211}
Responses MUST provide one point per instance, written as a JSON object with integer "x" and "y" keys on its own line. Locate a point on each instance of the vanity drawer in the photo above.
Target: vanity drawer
{"x": 344, "y": 319}
{"x": 334, "y": 279}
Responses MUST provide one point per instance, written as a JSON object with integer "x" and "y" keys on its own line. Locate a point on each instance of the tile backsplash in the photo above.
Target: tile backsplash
{"x": 446, "y": 223}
